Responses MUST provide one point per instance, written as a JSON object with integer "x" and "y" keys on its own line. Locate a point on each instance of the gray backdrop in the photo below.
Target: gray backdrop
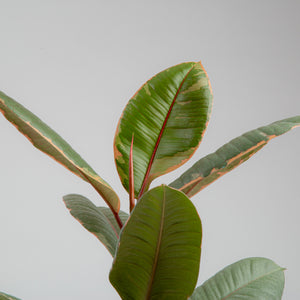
{"x": 76, "y": 64}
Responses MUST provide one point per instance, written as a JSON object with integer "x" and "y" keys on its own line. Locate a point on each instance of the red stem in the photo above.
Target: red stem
{"x": 146, "y": 177}
{"x": 131, "y": 178}
{"x": 117, "y": 217}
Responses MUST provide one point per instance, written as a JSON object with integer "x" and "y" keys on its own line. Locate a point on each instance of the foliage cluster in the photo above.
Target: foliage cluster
{"x": 156, "y": 248}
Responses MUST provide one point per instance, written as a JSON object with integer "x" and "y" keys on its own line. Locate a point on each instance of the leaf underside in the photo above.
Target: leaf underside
{"x": 99, "y": 221}
{"x": 211, "y": 167}
{"x": 49, "y": 142}
{"x": 168, "y": 117}
{"x": 248, "y": 279}
{"x": 159, "y": 250}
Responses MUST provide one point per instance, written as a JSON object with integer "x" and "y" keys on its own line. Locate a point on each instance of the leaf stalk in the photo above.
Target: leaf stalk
{"x": 131, "y": 178}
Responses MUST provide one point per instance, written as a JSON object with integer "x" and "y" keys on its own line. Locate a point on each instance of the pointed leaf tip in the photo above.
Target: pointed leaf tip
{"x": 49, "y": 142}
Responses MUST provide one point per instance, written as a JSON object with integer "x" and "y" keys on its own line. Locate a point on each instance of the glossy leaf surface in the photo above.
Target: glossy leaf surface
{"x": 48, "y": 141}
{"x": 247, "y": 279}
{"x": 4, "y": 296}
{"x": 167, "y": 117}
{"x": 159, "y": 250}
{"x": 229, "y": 156}
{"x": 99, "y": 221}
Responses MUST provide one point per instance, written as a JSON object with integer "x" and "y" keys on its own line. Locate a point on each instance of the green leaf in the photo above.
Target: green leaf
{"x": 48, "y": 141}
{"x": 4, "y": 296}
{"x": 159, "y": 250}
{"x": 99, "y": 221}
{"x": 247, "y": 279}
{"x": 168, "y": 117}
{"x": 229, "y": 156}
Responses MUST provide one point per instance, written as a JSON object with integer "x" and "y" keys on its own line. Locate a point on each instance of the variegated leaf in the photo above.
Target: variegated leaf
{"x": 48, "y": 141}
{"x": 229, "y": 156}
{"x": 168, "y": 117}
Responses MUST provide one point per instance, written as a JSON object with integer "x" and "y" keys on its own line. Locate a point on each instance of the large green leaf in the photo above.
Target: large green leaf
{"x": 99, "y": 221}
{"x": 48, "y": 141}
{"x": 4, "y": 296}
{"x": 168, "y": 117}
{"x": 159, "y": 250}
{"x": 229, "y": 156}
{"x": 247, "y": 279}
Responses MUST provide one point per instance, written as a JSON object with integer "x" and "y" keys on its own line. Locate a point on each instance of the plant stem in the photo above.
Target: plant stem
{"x": 117, "y": 217}
{"x": 131, "y": 178}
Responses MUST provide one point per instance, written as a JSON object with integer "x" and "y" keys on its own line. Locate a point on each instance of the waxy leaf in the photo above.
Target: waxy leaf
{"x": 4, "y": 296}
{"x": 229, "y": 156}
{"x": 168, "y": 117}
{"x": 159, "y": 249}
{"x": 48, "y": 141}
{"x": 99, "y": 221}
{"x": 247, "y": 279}
{"x": 131, "y": 178}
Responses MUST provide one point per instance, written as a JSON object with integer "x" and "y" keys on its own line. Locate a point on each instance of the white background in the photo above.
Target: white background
{"x": 76, "y": 64}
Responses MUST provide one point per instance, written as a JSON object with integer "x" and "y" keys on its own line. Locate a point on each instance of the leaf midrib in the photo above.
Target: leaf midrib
{"x": 192, "y": 185}
{"x": 80, "y": 169}
{"x": 159, "y": 239}
{"x": 145, "y": 180}
{"x": 251, "y": 281}
{"x": 45, "y": 138}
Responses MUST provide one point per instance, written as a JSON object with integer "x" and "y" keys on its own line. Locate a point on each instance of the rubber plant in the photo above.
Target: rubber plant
{"x": 156, "y": 248}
